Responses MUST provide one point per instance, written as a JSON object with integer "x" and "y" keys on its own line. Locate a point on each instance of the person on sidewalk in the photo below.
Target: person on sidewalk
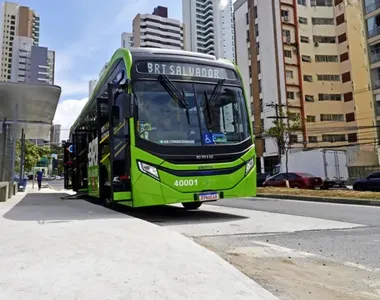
{"x": 39, "y": 178}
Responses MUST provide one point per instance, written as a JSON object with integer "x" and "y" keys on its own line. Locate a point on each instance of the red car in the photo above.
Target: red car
{"x": 296, "y": 180}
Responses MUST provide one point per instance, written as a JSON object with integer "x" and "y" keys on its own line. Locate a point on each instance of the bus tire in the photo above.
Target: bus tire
{"x": 108, "y": 203}
{"x": 191, "y": 205}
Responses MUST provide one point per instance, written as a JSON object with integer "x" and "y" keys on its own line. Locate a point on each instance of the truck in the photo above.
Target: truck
{"x": 330, "y": 165}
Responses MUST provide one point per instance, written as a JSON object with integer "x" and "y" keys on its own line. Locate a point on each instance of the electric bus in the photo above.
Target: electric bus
{"x": 163, "y": 127}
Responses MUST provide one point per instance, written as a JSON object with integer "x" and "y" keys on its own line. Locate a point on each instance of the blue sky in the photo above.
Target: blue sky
{"x": 85, "y": 34}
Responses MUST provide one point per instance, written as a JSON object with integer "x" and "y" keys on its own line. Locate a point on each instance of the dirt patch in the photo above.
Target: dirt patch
{"x": 341, "y": 194}
{"x": 300, "y": 278}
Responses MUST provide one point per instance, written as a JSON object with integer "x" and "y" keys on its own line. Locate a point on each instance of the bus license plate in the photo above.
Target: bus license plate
{"x": 208, "y": 196}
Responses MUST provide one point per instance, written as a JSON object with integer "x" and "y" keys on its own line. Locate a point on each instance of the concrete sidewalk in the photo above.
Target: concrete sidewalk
{"x": 72, "y": 249}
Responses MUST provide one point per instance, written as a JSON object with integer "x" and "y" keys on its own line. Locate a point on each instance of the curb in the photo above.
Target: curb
{"x": 325, "y": 200}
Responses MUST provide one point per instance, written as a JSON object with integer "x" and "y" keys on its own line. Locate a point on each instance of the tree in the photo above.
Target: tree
{"x": 33, "y": 153}
{"x": 286, "y": 125}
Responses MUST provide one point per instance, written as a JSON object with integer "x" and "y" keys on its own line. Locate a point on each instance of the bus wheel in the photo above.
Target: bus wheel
{"x": 109, "y": 203}
{"x": 191, "y": 205}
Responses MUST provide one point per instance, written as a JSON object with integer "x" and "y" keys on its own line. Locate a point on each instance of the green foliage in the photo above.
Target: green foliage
{"x": 288, "y": 124}
{"x": 33, "y": 153}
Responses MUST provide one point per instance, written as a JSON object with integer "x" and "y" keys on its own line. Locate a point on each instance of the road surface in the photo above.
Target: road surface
{"x": 296, "y": 250}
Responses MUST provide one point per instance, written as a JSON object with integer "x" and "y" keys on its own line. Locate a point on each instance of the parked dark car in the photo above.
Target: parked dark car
{"x": 370, "y": 183}
{"x": 260, "y": 179}
{"x": 296, "y": 180}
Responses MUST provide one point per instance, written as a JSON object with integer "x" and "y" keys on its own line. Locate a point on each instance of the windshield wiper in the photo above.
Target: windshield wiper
{"x": 216, "y": 91}
{"x": 207, "y": 104}
{"x": 175, "y": 94}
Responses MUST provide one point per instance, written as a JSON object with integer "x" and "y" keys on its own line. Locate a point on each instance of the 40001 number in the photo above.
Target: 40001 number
{"x": 186, "y": 182}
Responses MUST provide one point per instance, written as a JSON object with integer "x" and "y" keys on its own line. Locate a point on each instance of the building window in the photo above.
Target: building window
{"x": 313, "y": 139}
{"x": 321, "y": 3}
{"x": 352, "y": 137}
{"x": 247, "y": 18}
{"x": 322, "y": 21}
{"x": 302, "y": 20}
{"x": 350, "y": 117}
{"x": 346, "y": 77}
{"x": 344, "y": 57}
{"x": 326, "y": 58}
{"x": 248, "y": 37}
{"x": 332, "y": 117}
{"x": 293, "y": 138}
{"x": 288, "y": 53}
{"x": 310, "y": 119}
{"x": 328, "y": 77}
{"x": 340, "y": 19}
{"x": 289, "y": 74}
{"x": 306, "y": 58}
{"x": 286, "y": 33}
{"x": 308, "y": 78}
{"x": 342, "y": 38}
{"x": 284, "y": 13}
{"x": 302, "y": 2}
{"x": 332, "y": 138}
{"x": 309, "y": 98}
{"x": 348, "y": 97}
{"x": 329, "y": 97}
{"x": 304, "y": 39}
{"x": 290, "y": 95}
{"x": 324, "y": 39}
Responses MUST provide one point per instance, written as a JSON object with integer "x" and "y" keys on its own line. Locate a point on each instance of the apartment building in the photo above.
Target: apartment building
{"x": 320, "y": 70}
{"x": 16, "y": 20}
{"x": 157, "y": 30}
{"x": 91, "y": 86}
{"x": 209, "y": 27}
{"x": 31, "y": 63}
{"x": 55, "y": 134}
{"x": 126, "y": 40}
{"x": 371, "y": 9}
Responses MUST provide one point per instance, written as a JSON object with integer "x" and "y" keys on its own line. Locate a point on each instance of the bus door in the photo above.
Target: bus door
{"x": 120, "y": 154}
{"x": 68, "y": 164}
{"x": 103, "y": 147}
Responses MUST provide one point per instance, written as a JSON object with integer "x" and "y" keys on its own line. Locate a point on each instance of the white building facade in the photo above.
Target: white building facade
{"x": 257, "y": 34}
{"x": 209, "y": 27}
{"x": 126, "y": 40}
{"x": 157, "y": 32}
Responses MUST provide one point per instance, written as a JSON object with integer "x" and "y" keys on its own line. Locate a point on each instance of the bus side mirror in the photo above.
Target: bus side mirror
{"x": 128, "y": 107}
{"x": 115, "y": 113}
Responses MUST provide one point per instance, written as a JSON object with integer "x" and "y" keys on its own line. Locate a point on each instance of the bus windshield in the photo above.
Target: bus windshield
{"x": 214, "y": 114}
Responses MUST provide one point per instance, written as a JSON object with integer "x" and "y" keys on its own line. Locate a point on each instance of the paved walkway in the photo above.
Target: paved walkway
{"x": 72, "y": 249}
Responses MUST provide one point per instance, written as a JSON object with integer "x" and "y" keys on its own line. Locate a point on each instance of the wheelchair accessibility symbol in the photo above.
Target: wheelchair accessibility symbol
{"x": 207, "y": 139}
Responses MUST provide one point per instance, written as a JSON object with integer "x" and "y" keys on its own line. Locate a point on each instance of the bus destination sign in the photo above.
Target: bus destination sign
{"x": 185, "y": 69}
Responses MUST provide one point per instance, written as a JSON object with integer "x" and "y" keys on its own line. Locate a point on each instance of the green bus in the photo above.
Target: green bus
{"x": 163, "y": 127}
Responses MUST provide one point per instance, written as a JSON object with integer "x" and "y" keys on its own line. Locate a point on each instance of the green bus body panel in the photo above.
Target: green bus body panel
{"x": 148, "y": 191}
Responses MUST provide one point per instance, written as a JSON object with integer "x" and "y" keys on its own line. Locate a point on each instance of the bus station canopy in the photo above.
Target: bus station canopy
{"x": 29, "y": 106}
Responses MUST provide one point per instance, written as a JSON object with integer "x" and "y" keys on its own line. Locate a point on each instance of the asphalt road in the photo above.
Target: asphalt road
{"x": 355, "y": 245}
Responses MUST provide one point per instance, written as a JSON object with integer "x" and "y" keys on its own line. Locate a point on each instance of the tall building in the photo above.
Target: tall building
{"x": 126, "y": 40}
{"x": 91, "y": 86}
{"x": 31, "y": 63}
{"x": 156, "y": 31}
{"x": 16, "y": 20}
{"x": 55, "y": 134}
{"x": 372, "y": 21}
{"x": 209, "y": 27}
{"x": 307, "y": 56}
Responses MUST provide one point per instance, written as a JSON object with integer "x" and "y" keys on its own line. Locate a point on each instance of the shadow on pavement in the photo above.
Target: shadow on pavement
{"x": 172, "y": 215}
{"x": 49, "y": 208}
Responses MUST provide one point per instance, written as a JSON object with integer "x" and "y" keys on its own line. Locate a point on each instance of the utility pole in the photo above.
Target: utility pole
{"x": 278, "y": 117}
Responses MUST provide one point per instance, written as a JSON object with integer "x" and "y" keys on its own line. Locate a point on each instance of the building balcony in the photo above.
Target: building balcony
{"x": 372, "y": 7}
{"x": 376, "y": 86}
{"x": 374, "y": 58}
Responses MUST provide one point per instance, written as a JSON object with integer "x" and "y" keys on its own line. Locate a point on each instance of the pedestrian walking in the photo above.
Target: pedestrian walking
{"x": 39, "y": 178}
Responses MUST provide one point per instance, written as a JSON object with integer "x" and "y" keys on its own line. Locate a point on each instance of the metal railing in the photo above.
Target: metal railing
{"x": 374, "y": 32}
{"x": 375, "y": 58}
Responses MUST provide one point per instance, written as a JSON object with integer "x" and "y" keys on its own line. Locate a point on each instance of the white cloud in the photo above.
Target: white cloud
{"x": 66, "y": 113}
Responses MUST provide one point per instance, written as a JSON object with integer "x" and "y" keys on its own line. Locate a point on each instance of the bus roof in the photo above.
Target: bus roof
{"x": 124, "y": 52}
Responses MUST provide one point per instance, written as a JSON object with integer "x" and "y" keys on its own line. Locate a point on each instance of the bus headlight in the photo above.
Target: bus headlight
{"x": 149, "y": 170}
{"x": 249, "y": 166}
